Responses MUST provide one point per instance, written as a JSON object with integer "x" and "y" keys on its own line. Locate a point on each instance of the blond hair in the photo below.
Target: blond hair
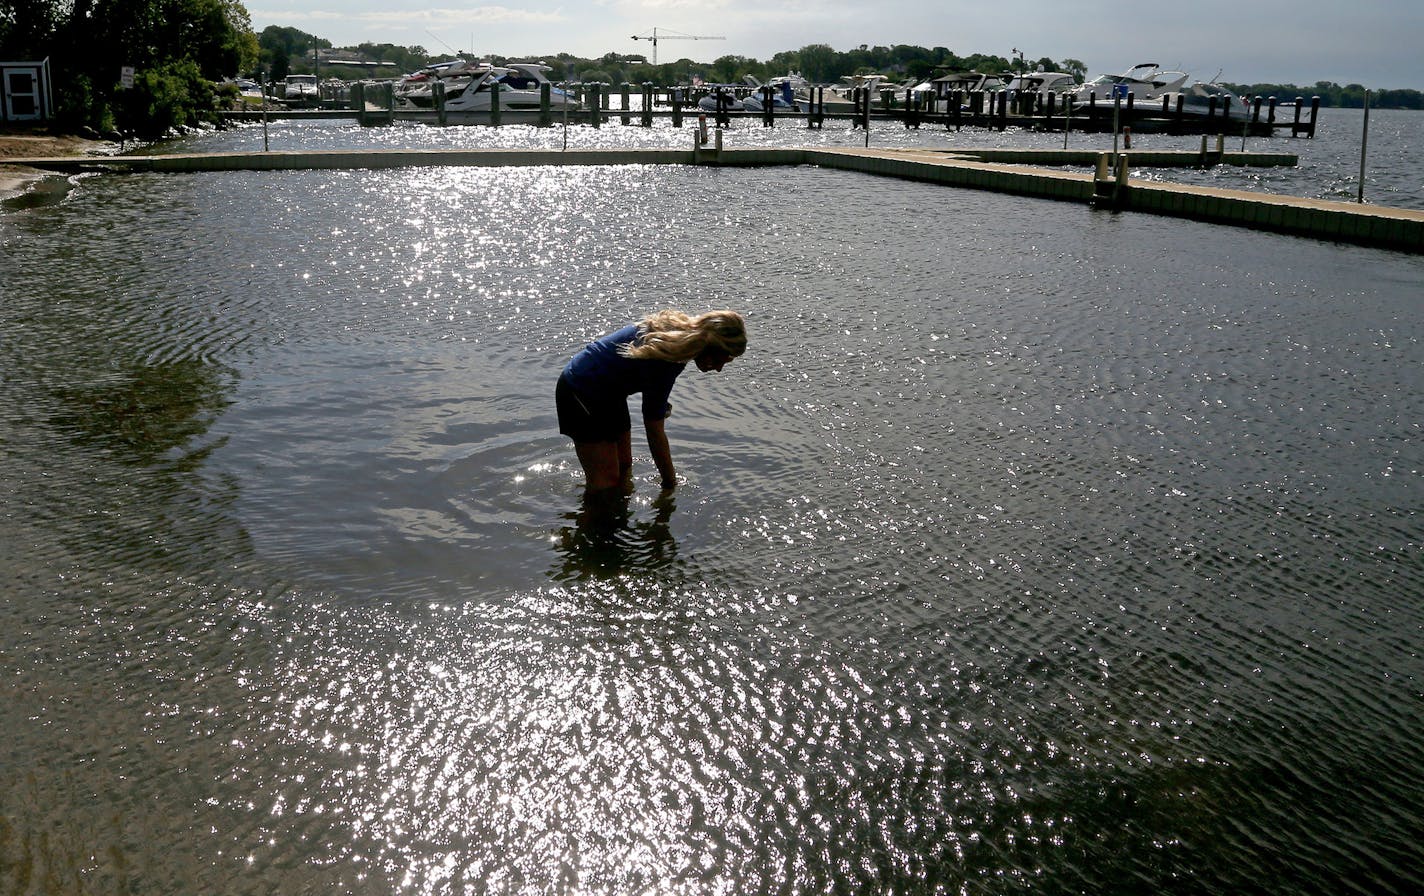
{"x": 678, "y": 337}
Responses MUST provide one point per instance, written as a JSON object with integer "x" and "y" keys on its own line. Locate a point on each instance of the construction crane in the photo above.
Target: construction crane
{"x": 673, "y": 35}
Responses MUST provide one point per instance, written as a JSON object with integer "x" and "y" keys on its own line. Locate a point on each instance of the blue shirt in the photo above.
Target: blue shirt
{"x": 599, "y": 372}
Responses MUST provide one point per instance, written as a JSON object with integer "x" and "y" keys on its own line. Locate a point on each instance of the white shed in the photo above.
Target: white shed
{"x": 25, "y": 93}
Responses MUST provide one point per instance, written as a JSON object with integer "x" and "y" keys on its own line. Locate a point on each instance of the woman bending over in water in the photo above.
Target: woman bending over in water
{"x": 592, "y": 393}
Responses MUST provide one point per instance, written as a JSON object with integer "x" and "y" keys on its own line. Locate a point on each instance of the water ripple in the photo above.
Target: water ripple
{"x": 1005, "y": 560}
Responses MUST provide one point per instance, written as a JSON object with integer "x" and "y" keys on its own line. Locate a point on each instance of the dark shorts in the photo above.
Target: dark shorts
{"x": 586, "y": 420}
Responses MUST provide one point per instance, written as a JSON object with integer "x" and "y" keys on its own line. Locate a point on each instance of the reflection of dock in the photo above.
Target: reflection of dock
{"x": 1036, "y": 173}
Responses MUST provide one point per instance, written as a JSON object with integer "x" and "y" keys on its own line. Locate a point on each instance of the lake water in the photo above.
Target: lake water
{"x": 1030, "y": 548}
{"x": 1329, "y": 166}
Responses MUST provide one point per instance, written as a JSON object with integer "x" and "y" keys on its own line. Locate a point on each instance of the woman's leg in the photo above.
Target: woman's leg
{"x": 625, "y": 458}
{"x": 600, "y": 462}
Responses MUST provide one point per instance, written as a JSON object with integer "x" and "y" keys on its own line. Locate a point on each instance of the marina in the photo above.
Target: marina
{"x": 1173, "y": 112}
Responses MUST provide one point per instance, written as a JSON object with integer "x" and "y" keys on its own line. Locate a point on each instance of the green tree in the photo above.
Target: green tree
{"x": 819, "y": 63}
{"x": 784, "y": 62}
{"x": 27, "y": 27}
{"x": 407, "y": 59}
{"x": 170, "y": 43}
{"x": 172, "y": 95}
{"x": 289, "y": 49}
{"x": 730, "y": 69}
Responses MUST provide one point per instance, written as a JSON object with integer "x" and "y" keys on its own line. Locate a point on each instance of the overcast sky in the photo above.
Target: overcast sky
{"x": 1376, "y": 43}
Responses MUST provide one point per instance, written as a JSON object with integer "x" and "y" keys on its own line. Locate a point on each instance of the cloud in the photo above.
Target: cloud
{"x": 415, "y": 17}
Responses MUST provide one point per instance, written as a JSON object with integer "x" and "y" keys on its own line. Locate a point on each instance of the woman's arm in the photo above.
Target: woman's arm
{"x": 662, "y": 452}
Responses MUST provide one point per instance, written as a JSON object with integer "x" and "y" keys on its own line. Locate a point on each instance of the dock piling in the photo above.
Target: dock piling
{"x": 1364, "y": 144}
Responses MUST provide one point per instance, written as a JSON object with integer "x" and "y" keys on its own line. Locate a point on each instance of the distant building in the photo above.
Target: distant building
{"x": 348, "y": 57}
{"x": 25, "y": 93}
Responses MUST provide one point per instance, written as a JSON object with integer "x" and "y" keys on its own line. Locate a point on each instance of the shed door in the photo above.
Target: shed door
{"x": 22, "y": 94}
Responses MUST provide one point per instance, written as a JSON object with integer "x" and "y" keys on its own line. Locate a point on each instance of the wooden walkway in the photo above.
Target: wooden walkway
{"x": 1017, "y": 172}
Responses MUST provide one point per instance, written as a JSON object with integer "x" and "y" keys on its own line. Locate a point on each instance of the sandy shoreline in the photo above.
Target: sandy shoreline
{"x": 39, "y": 144}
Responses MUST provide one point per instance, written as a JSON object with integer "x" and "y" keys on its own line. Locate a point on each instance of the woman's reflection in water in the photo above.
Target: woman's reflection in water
{"x": 606, "y": 540}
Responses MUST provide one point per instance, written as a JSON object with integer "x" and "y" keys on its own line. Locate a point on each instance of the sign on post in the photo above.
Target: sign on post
{"x": 126, "y": 77}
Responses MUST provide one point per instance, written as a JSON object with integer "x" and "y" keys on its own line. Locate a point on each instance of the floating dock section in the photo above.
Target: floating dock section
{"x": 1036, "y": 173}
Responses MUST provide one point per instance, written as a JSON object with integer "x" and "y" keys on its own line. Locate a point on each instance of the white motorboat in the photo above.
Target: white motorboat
{"x": 840, "y": 98}
{"x": 963, "y": 83}
{"x": 783, "y": 100}
{"x": 789, "y": 93}
{"x": 721, "y": 94}
{"x": 1042, "y": 83}
{"x": 471, "y": 86}
{"x": 794, "y": 80}
{"x": 1146, "y": 82}
{"x": 1197, "y": 102}
{"x": 415, "y": 90}
{"x": 782, "y": 91}
{"x": 301, "y": 90}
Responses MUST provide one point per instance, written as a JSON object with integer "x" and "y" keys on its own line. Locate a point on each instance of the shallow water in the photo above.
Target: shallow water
{"x": 1027, "y": 549}
{"x": 1329, "y": 164}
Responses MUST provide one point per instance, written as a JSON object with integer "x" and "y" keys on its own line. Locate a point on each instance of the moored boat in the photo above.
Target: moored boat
{"x": 1145, "y": 82}
{"x": 1206, "y": 99}
{"x": 1042, "y": 83}
{"x": 301, "y": 90}
{"x": 470, "y": 87}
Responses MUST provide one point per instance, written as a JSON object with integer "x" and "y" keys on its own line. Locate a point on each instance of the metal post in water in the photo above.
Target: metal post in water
{"x": 1117, "y": 105}
{"x": 1067, "y": 117}
{"x": 565, "y": 88}
{"x": 1364, "y": 143}
{"x": 546, "y": 91}
{"x": 867, "y": 118}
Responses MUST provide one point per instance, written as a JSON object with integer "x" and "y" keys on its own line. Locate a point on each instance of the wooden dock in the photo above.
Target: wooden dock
{"x": 1034, "y": 173}
{"x": 997, "y": 110}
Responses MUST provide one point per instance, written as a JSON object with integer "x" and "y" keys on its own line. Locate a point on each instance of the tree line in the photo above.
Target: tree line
{"x": 179, "y": 49}
{"x": 1351, "y": 96}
